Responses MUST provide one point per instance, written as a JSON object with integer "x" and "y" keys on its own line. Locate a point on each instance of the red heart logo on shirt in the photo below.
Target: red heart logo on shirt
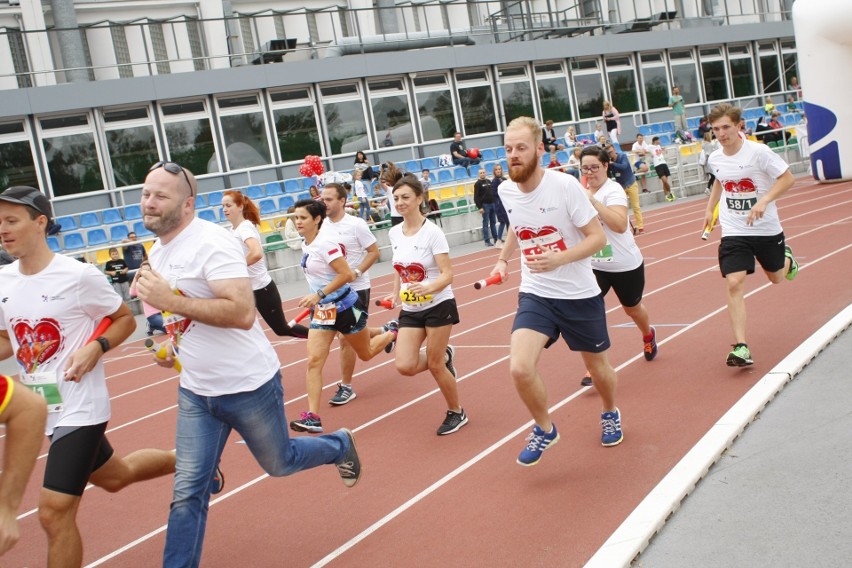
{"x": 37, "y": 344}
{"x": 535, "y": 240}
{"x": 414, "y": 272}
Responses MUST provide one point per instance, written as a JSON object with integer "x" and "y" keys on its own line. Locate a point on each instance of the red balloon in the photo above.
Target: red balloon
{"x": 305, "y": 170}
{"x": 473, "y": 153}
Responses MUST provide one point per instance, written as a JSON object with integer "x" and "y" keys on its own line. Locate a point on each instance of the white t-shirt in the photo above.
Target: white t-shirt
{"x": 49, "y": 316}
{"x": 658, "y": 153}
{"x": 621, "y": 252}
{"x": 316, "y": 262}
{"x": 354, "y": 235}
{"x": 641, "y": 150}
{"x": 414, "y": 261}
{"x": 391, "y": 203}
{"x": 549, "y": 216}
{"x": 215, "y": 360}
{"x": 746, "y": 177}
{"x": 360, "y": 189}
{"x": 257, "y": 272}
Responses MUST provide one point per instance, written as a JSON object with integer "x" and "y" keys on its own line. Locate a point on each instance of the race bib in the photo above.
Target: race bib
{"x": 536, "y": 241}
{"x": 324, "y": 314}
{"x": 409, "y": 297}
{"x": 603, "y": 255}
{"x": 46, "y": 385}
{"x": 741, "y": 203}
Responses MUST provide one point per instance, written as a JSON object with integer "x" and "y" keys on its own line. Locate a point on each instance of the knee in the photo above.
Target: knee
{"x": 406, "y": 369}
{"x": 53, "y": 516}
{"x": 315, "y": 361}
{"x": 522, "y": 372}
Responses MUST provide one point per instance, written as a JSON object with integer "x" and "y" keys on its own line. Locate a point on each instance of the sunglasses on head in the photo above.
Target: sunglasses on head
{"x": 176, "y": 169}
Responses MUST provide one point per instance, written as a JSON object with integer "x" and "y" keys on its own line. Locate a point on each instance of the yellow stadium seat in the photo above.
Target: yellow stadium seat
{"x": 447, "y": 193}
{"x": 102, "y": 256}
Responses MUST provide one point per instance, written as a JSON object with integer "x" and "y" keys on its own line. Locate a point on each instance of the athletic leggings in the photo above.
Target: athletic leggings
{"x": 268, "y": 302}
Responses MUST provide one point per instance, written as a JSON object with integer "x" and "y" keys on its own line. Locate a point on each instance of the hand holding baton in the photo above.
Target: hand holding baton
{"x": 386, "y": 304}
{"x": 304, "y": 313}
{"x": 709, "y": 228}
{"x": 161, "y": 352}
{"x": 493, "y": 279}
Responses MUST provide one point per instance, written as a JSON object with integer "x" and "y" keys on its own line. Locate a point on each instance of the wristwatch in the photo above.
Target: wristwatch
{"x": 321, "y": 294}
{"x": 358, "y": 273}
{"x": 104, "y": 342}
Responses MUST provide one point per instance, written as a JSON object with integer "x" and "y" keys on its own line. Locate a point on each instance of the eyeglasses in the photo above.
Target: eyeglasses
{"x": 590, "y": 169}
{"x": 176, "y": 169}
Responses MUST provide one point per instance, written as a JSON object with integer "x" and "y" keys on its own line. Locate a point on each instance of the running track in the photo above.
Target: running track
{"x": 427, "y": 500}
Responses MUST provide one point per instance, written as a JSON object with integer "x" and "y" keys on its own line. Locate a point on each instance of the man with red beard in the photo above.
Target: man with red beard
{"x": 557, "y": 230}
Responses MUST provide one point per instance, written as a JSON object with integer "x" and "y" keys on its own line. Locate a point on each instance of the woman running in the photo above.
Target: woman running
{"x": 421, "y": 259}
{"x": 619, "y": 265}
{"x": 335, "y": 307}
{"x": 245, "y": 217}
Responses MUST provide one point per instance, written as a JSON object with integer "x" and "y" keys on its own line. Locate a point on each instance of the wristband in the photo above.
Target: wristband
{"x": 104, "y": 343}
{"x": 321, "y": 294}
{"x": 502, "y": 260}
{"x": 358, "y": 273}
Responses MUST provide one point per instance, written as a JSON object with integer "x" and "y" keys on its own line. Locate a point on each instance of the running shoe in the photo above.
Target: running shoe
{"x": 308, "y": 422}
{"x": 218, "y": 481}
{"x": 452, "y": 422}
{"x": 651, "y": 346}
{"x": 794, "y": 266}
{"x": 670, "y": 197}
{"x": 350, "y": 468}
{"x": 586, "y": 381}
{"x": 740, "y": 356}
{"x": 451, "y": 354}
{"x": 611, "y": 425}
{"x": 344, "y": 395}
{"x": 392, "y": 325}
{"x": 537, "y": 442}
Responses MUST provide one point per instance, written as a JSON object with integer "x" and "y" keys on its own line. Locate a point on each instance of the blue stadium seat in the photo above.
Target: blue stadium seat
{"x": 268, "y": 206}
{"x": 460, "y": 173}
{"x": 545, "y": 159}
{"x": 292, "y": 185}
{"x": 273, "y": 189}
{"x": 562, "y": 156}
{"x": 489, "y": 155}
{"x": 208, "y": 215}
{"x": 645, "y": 129}
{"x": 303, "y": 195}
{"x": 53, "y": 244}
{"x": 665, "y": 139}
{"x": 132, "y": 212}
{"x": 200, "y": 201}
{"x": 254, "y": 192}
{"x": 656, "y": 128}
{"x": 285, "y": 202}
{"x": 118, "y": 232}
{"x": 412, "y": 166}
{"x": 489, "y": 168}
{"x": 501, "y": 152}
{"x": 73, "y": 241}
{"x": 141, "y": 231}
{"x": 112, "y": 216}
{"x": 445, "y": 176}
{"x": 505, "y": 165}
{"x": 67, "y": 223}
{"x": 214, "y": 199}
{"x": 429, "y": 164}
{"x": 693, "y": 122}
{"x": 90, "y": 219}
{"x": 96, "y": 237}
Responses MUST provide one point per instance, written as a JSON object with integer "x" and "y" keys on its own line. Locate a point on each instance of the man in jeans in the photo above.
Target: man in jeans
{"x": 484, "y": 201}
{"x": 230, "y": 378}
{"x": 621, "y": 170}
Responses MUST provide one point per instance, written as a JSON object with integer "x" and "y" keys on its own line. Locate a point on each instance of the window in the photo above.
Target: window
{"x": 193, "y": 32}
{"x": 435, "y": 107}
{"x": 189, "y": 136}
{"x": 70, "y": 154}
{"x": 742, "y": 70}
{"x": 295, "y": 117}
{"x": 131, "y": 144}
{"x": 344, "y": 118}
{"x": 515, "y": 93}
{"x": 553, "y": 98}
{"x": 476, "y": 102}
{"x": 391, "y": 112}
{"x": 622, "y": 83}
{"x": 770, "y": 76}
{"x": 685, "y": 75}
{"x": 656, "y": 81}
{"x": 588, "y": 86}
{"x": 790, "y": 60}
{"x": 243, "y": 131}
{"x": 122, "y": 52}
{"x": 17, "y": 166}
{"x": 158, "y": 46}
{"x": 713, "y": 72}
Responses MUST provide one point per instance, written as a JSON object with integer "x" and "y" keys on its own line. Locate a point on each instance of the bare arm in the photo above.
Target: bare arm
{"x": 255, "y": 251}
{"x": 715, "y": 194}
{"x": 444, "y": 279}
{"x": 780, "y": 187}
{"x": 509, "y": 246}
{"x": 370, "y": 258}
{"x": 613, "y": 216}
{"x": 344, "y": 276}
{"x": 84, "y": 359}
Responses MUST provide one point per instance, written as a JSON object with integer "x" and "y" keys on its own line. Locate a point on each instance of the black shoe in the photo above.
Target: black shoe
{"x": 452, "y": 422}
{"x": 218, "y": 481}
{"x": 586, "y": 381}
{"x": 392, "y": 325}
{"x": 350, "y": 468}
{"x": 451, "y": 353}
{"x": 344, "y": 395}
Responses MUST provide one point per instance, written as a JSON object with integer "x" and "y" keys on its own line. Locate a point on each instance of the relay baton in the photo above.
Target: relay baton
{"x": 302, "y": 315}
{"x": 386, "y": 304}
{"x": 709, "y": 228}
{"x": 161, "y": 352}
{"x": 100, "y": 329}
{"x": 493, "y": 279}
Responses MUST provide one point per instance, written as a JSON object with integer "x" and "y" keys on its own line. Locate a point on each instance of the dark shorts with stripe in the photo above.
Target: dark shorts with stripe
{"x": 737, "y": 253}
{"x": 439, "y": 315}
{"x": 75, "y": 452}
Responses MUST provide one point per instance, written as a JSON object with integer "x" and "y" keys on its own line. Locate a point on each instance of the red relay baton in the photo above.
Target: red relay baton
{"x": 384, "y": 304}
{"x": 100, "y": 329}
{"x": 305, "y": 313}
{"x": 493, "y": 279}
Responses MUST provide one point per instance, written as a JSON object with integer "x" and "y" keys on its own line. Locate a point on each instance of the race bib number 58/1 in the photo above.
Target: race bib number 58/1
{"x": 537, "y": 240}
{"x": 46, "y": 385}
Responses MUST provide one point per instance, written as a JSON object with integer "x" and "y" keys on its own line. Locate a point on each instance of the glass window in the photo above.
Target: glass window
{"x": 622, "y": 84}
{"x": 435, "y": 107}
{"x": 742, "y": 71}
{"x": 294, "y": 114}
{"x": 391, "y": 112}
{"x": 17, "y": 165}
{"x": 713, "y": 75}
{"x": 476, "y": 102}
{"x": 131, "y": 144}
{"x": 344, "y": 117}
{"x": 554, "y": 99}
{"x": 655, "y": 80}
{"x": 588, "y": 87}
{"x": 685, "y": 75}
{"x": 516, "y": 93}
{"x": 244, "y": 132}
{"x": 71, "y": 155}
{"x": 189, "y": 137}
{"x": 790, "y": 60}
{"x": 769, "y": 74}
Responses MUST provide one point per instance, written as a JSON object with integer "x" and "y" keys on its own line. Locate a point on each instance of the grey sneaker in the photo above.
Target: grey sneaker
{"x": 344, "y": 395}
{"x": 350, "y": 468}
{"x": 451, "y": 353}
{"x": 452, "y": 422}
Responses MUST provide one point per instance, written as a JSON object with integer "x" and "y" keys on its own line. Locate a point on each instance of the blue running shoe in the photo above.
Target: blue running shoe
{"x": 392, "y": 325}
{"x": 308, "y": 422}
{"x": 537, "y": 442}
{"x": 611, "y": 423}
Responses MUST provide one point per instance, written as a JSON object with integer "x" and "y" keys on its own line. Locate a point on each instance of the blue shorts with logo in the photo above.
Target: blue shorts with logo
{"x": 582, "y": 323}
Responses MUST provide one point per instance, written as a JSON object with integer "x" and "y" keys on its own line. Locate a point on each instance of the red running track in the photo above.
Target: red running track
{"x": 427, "y": 500}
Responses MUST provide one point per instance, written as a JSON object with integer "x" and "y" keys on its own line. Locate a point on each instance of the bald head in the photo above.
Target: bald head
{"x": 168, "y": 201}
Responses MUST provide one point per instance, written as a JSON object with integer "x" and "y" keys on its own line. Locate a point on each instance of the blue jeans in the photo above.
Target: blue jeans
{"x": 203, "y": 426}
{"x": 489, "y": 220}
{"x": 364, "y": 208}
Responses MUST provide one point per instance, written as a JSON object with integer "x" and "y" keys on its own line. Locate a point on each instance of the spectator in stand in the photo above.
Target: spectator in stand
{"x": 117, "y": 270}
{"x": 573, "y": 166}
{"x": 425, "y": 181}
{"x": 502, "y": 217}
{"x": 484, "y": 201}
{"x": 554, "y": 161}
{"x": 362, "y": 196}
{"x": 708, "y": 146}
{"x": 678, "y": 109}
{"x": 315, "y": 193}
{"x": 795, "y": 86}
{"x": 775, "y": 124}
{"x": 379, "y": 203}
{"x": 612, "y": 120}
{"x": 459, "y": 152}
{"x": 599, "y": 131}
{"x": 622, "y": 171}
{"x": 153, "y": 316}
{"x": 134, "y": 253}
{"x": 761, "y": 131}
{"x": 640, "y": 148}
{"x": 661, "y": 167}
{"x": 548, "y": 135}
{"x": 792, "y": 108}
{"x": 363, "y": 165}
{"x": 290, "y": 232}
{"x": 704, "y": 127}
{"x": 570, "y": 137}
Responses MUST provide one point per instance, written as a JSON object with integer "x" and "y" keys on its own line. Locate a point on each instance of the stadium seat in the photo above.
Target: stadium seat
{"x": 53, "y": 244}
{"x": 489, "y": 155}
{"x": 273, "y": 189}
{"x": 73, "y": 241}
{"x": 267, "y": 207}
{"x": 96, "y": 237}
{"x": 545, "y": 159}
{"x": 303, "y": 195}
{"x": 112, "y": 216}
{"x": 208, "y": 215}
{"x": 141, "y": 231}
{"x": 285, "y": 202}
{"x": 562, "y": 156}
{"x": 132, "y": 212}
{"x": 445, "y": 176}
{"x": 214, "y": 199}
{"x": 429, "y": 164}
{"x": 501, "y": 152}
{"x": 412, "y": 166}
{"x": 460, "y": 173}
{"x": 254, "y": 192}
{"x": 278, "y": 242}
{"x": 292, "y": 185}
{"x": 489, "y": 168}
{"x": 200, "y": 201}
{"x": 90, "y": 219}
{"x": 67, "y": 223}
{"x": 448, "y": 209}
{"x": 118, "y": 233}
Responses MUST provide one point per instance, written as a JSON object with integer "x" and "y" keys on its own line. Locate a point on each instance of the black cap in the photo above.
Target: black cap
{"x": 29, "y": 196}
